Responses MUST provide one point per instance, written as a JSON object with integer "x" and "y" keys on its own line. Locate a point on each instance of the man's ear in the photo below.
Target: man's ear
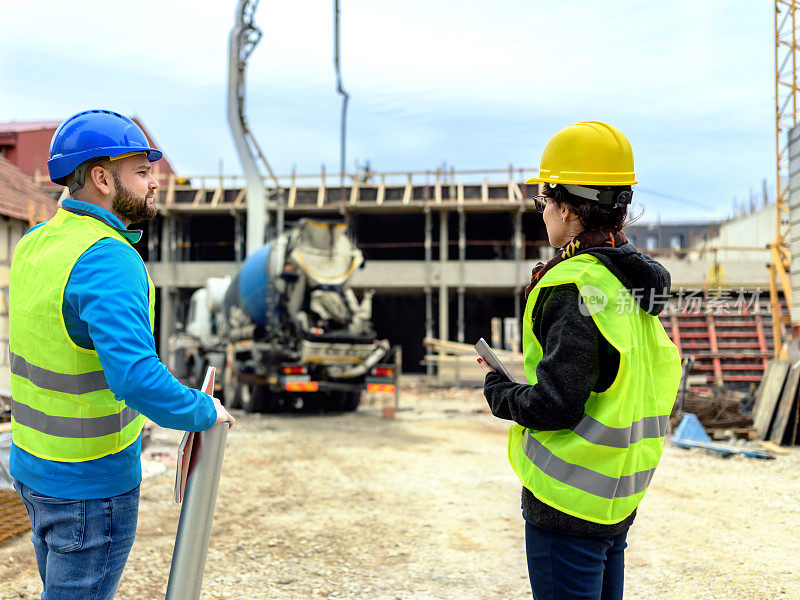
{"x": 102, "y": 179}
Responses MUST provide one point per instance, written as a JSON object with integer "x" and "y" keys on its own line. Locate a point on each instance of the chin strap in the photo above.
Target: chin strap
{"x": 80, "y": 177}
{"x": 606, "y": 198}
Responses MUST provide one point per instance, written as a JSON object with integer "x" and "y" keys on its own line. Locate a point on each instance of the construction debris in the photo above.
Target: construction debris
{"x": 690, "y": 434}
{"x": 716, "y": 409}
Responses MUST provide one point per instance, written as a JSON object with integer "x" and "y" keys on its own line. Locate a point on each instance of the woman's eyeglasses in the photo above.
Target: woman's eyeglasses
{"x": 539, "y": 203}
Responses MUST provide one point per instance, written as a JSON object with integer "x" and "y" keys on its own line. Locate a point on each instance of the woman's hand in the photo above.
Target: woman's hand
{"x": 486, "y": 368}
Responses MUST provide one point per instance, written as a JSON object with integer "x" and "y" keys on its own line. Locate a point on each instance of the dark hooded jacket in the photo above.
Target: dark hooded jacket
{"x": 576, "y": 360}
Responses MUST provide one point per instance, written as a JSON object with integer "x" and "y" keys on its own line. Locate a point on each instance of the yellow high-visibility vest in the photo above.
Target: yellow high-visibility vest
{"x": 600, "y": 470}
{"x": 61, "y": 408}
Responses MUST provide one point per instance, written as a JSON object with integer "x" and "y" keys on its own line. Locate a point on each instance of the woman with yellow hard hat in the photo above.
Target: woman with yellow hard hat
{"x": 602, "y": 375}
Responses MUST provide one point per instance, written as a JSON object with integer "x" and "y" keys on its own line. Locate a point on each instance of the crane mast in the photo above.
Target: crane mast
{"x": 786, "y": 50}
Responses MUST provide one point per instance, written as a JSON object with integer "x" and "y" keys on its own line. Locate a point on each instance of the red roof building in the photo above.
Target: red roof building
{"x": 26, "y": 145}
{"x": 20, "y": 198}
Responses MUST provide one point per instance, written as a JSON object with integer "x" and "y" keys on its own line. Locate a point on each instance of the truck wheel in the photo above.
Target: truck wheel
{"x": 343, "y": 401}
{"x": 350, "y": 401}
{"x": 253, "y": 397}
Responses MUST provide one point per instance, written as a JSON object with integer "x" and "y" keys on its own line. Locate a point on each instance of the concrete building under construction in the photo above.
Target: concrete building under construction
{"x": 446, "y": 252}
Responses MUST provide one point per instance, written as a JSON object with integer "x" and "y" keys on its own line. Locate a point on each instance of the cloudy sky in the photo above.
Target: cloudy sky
{"x": 472, "y": 84}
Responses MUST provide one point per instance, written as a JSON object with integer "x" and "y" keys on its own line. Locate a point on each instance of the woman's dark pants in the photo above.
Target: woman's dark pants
{"x": 572, "y": 567}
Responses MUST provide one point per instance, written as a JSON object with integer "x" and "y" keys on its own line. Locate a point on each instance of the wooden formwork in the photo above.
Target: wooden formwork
{"x": 729, "y": 349}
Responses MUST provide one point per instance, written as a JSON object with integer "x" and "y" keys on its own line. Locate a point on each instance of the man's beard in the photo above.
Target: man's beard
{"x": 130, "y": 207}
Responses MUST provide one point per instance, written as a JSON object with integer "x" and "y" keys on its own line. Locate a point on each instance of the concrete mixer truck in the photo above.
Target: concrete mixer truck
{"x": 286, "y": 331}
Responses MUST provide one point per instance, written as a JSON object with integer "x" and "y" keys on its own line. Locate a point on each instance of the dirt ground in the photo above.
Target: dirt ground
{"x": 425, "y": 506}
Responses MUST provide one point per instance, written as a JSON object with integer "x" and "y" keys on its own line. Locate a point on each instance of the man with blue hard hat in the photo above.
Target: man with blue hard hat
{"x": 85, "y": 374}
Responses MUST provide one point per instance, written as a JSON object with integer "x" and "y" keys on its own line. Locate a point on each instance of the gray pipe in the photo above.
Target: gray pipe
{"x": 197, "y": 514}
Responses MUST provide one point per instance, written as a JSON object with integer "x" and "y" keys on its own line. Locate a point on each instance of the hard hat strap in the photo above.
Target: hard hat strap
{"x": 80, "y": 173}
{"x": 80, "y": 176}
{"x": 610, "y": 198}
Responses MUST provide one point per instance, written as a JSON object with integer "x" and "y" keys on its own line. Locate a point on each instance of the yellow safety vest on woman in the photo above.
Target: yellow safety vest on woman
{"x": 61, "y": 406}
{"x": 600, "y": 470}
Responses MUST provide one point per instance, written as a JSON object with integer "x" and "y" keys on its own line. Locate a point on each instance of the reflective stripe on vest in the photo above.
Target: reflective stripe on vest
{"x": 600, "y": 469}
{"x": 82, "y": 383}
{"x": 72, "y": 427}
{"x": 596, "y": 432}
{"x": 582, "y": 478}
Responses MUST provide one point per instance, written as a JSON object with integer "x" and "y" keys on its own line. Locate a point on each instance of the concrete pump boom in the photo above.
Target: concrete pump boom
{"x": 243, "y": 39}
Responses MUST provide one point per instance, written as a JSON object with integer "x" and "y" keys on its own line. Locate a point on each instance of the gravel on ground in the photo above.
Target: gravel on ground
{"x": 425, "y": 506}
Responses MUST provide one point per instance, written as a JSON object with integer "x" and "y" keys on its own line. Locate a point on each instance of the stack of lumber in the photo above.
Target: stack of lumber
{"x": 456, "y": 349}
{"x": 776, "y": 412}
{"x": 457, "y": 361}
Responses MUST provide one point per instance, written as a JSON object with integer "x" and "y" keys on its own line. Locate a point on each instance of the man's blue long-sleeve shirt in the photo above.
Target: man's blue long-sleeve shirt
{"x": 106, "y": 308}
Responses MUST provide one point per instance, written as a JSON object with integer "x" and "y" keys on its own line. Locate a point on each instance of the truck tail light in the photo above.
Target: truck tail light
{"x": 383, "y": 371}
{"x": 302, "y": 386}
{"x": 388, "y": 388}
{"x": 294, "y": 370}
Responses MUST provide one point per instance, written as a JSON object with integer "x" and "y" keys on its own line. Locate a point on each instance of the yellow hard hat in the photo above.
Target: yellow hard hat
{"x": 587, "y": 153}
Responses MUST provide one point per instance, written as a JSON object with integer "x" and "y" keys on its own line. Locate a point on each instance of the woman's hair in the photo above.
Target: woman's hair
{"x": 589, "y": 212}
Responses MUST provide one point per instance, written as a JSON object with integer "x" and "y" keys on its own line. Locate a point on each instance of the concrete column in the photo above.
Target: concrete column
{"x": 238, "y": 232}
{"x": 518, "y": 260}
{"x": 165, "y": 299}
{"x": 462, "y": 255}
{"x": 152, "y": 240}
{"x": 167, "y": 321}
{"x": 444, "y": 312}
{"x": 168, "y": 240}
{"x": 428, "y": 291}
{"x": 185, "y": 249}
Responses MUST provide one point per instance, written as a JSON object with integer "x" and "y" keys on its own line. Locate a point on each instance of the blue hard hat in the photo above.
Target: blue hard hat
{"x": 94, "y": 134}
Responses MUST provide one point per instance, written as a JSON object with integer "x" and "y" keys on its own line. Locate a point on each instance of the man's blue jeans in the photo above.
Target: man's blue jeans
{"x": 563, "y": 566}
{"x": 81, "y": 545}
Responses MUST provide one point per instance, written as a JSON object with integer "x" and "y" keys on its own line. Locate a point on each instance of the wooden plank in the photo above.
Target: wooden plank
{"x": 793, "y": 435}
{"x": 170, "y": 199}
{"x": 381, "y": 190}
{"x": 321, "y": 195}
{"x": 768, "y": 395}
{"x": 772, "y": 447}
{"x": 783, "y": 412}
{"x": 354, "y": 190}
{"x": 217, "y": 195}
{"x": 460, "y": 348}
{"x": 321, "y": 190}
{"x": 408, "y": 192}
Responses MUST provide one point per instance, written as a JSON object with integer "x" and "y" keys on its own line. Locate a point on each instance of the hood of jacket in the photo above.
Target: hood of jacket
{"x": 647, "y": 279}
